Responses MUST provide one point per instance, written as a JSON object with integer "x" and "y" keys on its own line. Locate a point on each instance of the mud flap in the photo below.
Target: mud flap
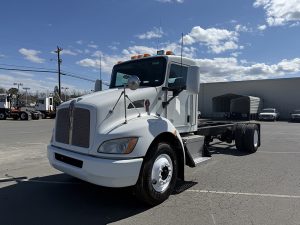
{"x": 195, "y": 149}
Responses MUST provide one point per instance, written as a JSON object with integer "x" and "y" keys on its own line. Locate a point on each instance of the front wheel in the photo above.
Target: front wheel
{"x": 23, "y": 116}
{"x": 158, "y": 175}
{"x": 2, "y": 116}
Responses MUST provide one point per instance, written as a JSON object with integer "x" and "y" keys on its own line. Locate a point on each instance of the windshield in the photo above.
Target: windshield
{"x": 2, "y": 98}
{"x": 268, "y": 110}
{"x": 151, "y": 72}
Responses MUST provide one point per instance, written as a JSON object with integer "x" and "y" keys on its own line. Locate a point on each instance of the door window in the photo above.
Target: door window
{"x": 177, "y": 76}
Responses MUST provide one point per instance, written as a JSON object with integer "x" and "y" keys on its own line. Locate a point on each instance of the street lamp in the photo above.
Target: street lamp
{"x": 19, "y": 84}
{"x": 65, "y": 88}
{"x": 26, "y": 89}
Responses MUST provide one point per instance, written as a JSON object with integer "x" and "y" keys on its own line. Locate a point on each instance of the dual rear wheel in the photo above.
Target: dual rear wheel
{"x": 247, "y": 137}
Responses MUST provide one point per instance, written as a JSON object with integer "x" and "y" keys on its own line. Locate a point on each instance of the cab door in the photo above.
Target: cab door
{"x": 180, "y": 110}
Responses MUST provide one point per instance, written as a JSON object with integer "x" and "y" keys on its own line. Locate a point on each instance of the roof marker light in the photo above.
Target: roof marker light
{"x": 169, "y": 53}
{"x": 134, "y": 57}
{"x": 140, "y": 56}
{"x": 146, "y": 55}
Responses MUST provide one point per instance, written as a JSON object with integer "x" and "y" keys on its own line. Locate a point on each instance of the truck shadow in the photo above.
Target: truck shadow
{"x": 225, "y": 149}
{"x": 61, "y": 199}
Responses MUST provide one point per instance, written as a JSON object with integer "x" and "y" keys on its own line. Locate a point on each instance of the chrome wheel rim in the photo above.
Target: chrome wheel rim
{"x": 162, "y": 172}
{"x": 23, "y": 116}
{"x": 255, "y": 138}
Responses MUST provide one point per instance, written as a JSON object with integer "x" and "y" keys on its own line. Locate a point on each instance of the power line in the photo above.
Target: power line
{"x": 78, "y": 77}
{"x": 28, "y": 70}
{"x": 31, "y": 67}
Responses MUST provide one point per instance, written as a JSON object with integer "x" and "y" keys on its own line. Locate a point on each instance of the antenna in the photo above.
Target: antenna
{"x": 158, "y": 37}
{"x": 181, "y": 52}
{"x": 100, "y": 69}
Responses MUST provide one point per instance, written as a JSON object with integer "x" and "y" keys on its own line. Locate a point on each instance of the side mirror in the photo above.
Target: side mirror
{"x": 133, "y": 82}
{"x": 193, "y": 80}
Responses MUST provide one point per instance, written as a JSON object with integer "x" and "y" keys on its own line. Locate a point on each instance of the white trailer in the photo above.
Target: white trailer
{"x": 46, "y": 107}
{"x": 144, "y": 130}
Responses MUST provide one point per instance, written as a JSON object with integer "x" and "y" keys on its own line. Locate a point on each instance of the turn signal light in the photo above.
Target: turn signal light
{"x": 169, "y": 53}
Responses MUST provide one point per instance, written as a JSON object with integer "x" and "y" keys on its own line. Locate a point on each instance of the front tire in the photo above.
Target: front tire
{"x": 158, "y": 175}
{"x": 23, "y": 116}
{"x": 2, "y": 116}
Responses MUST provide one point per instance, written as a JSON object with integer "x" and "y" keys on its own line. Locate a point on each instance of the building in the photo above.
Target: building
{"x": 282, "y": 94}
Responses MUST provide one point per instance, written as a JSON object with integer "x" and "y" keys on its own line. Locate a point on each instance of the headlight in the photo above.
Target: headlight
{"x": 118, "y": 146}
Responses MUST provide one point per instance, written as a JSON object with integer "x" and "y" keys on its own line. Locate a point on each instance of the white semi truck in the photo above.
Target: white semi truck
{"x": 143, "y": 130}
{"x": 10, "y": 108}
{"x": 46, "y": 107}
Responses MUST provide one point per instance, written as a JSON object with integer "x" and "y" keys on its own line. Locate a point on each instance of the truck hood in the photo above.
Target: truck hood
{"x": 99, "y": 115}
{"x": 102, "y": 104}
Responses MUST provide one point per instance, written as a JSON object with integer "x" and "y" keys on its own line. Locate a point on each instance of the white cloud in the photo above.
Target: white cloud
{"x": 262, "y": 27}
{"x": 42, "y": 85}
{"x": 2, "y": 55}
{"x": 170, "y": 1}
{"x": 22, "y": 74}
{"x": 113, "y": 47}
{"x": 80, "y": 42}
{"x": 93, "y": 46}
{"x": 229, "y": 69}
{"x": 97, "y": 54}
{"x": 31, "y": 55}
{"x": 217, "y": 40}
{"x": 241, "y": 28}
{"x": 68, "y": 52}
{"x": 280, "y": 12}
{"x": 154, "y": 33}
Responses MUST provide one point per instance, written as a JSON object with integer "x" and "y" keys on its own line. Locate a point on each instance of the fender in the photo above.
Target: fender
{"x": 146, "y": 128}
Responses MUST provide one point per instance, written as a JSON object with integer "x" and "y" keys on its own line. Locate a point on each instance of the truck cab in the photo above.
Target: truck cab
{"x": 142, "y": 131}
{"x": 4, "y": 106}
{"x": 46, "y": 107}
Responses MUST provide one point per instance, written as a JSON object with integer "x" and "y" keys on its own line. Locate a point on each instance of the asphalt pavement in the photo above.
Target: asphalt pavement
{"x": 232, "y": 188}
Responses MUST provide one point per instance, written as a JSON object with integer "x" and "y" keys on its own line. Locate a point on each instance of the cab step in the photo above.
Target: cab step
{"x": 195, "y": 150}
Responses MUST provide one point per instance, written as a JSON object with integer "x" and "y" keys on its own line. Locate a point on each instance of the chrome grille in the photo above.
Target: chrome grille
{"x": 79, "y": 133}
{"x": 81, "y": 128}
{"x": 62, "y": 126}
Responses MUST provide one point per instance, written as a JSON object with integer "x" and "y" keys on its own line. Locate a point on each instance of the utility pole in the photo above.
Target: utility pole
{"x": 19, "y": 84}
{"x": 59, "y": 61}
{"x": 26, "y": 89}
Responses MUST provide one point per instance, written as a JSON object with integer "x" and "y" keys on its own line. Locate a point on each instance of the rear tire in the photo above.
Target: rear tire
{"x": 251, "y": 138}
{"x": 158, "y": 175}
{"x": 239, "y": 137}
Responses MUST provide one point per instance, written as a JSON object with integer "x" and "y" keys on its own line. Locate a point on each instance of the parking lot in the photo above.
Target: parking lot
{"x": 232, "y": 188}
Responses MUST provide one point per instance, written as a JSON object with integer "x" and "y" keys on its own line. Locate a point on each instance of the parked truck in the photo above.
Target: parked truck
{"x": 46, "y": 107}
{"x": 143, "y": 131}
{"x": 10, "y": 108}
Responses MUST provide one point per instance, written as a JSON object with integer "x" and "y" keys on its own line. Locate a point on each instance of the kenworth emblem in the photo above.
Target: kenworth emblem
{"x": 71, "y": 118}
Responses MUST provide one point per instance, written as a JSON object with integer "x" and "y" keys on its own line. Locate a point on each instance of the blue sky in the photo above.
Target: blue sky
{"x": 232, "y": 39}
